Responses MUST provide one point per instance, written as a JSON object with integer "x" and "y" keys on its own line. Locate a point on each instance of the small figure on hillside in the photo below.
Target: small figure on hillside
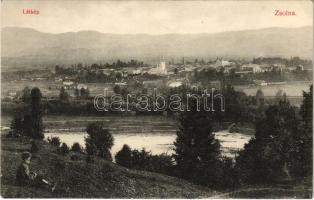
{"x": 25, "y": 177}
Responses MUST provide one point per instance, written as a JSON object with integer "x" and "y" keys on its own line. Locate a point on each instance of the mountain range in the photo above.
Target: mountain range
{"x": 26, "y": 45}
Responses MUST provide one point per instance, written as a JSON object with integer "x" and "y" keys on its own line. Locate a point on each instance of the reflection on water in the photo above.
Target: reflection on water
{"x": 156, "y": 143}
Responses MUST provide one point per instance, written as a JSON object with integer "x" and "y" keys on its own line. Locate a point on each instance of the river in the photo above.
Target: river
{"x": 156, "y": 143}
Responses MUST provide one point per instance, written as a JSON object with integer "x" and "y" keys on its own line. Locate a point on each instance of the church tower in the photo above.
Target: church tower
{"x": 162, "y": 66}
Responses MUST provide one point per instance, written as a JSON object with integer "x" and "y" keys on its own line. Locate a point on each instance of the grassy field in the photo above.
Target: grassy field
{"x": 80, "y": 179}
{"x": 104, "y": 179}
{"x": 300, "y": 191}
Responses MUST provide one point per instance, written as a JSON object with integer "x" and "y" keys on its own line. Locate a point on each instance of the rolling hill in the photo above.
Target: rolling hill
{"x": 25, "y": 45}
{"x": 80, "y": 179}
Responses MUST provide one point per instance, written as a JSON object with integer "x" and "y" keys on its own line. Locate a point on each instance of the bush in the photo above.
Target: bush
{"x": 144, "y": 160}
{"x": 55, "y": 141}
{"x": 17, "y": 126}
{"x": 124, "y": 156}
{"x": 76, "y": 147}
{"x": 141, "y": 159}
{"x": 162, "y": 163}
{"x": 64, "y": 149}
{"x": 99, "y": 141}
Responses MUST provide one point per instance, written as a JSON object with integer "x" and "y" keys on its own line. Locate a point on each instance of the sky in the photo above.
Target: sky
{"x": 154, "y": 17}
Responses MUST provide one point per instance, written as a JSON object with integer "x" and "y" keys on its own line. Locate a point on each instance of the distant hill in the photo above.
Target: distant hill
{"x": 29, "y": 45}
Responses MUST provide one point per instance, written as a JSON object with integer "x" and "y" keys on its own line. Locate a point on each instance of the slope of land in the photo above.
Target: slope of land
{"x": 103, "y": 179}
{"x": 81, "y": 179}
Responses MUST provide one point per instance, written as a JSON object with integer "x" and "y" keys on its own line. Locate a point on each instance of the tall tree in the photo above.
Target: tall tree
{"x": 37, "y": 123}
{"x": 63, "y": 96}
{"x": 87, "y": 93}
{"x": 268, "y": 156}
{"x": 77, "y": 93}
{"x": 306, "y": 109}
{"x": 259, "y": 98}
{"x": 27, "y": 126}
{"x": 83, "y": 92}
{"x": 303, "y": 154}
{"x": 197, "y": 151}
{"x": 26, "y": 95}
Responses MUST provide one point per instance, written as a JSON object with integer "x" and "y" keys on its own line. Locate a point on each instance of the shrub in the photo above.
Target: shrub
{"x": 76, "y": 147}
{"x": 162, "y": 163}
{"x": 99, "y": 141}
{"x": 144, "y": 160}
{"x": 55, "y": 141}
{"x": 124, "y": 156}
{"x": 17, "y": 126}
{"x": 64, "y": 149}
{"x": 141, "y": 159}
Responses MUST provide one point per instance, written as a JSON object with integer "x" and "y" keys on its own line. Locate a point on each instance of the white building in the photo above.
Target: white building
{"x": 175, "y": 84}
{"x": 68, "y": 83}
{"x": 161, "y": 69}
{"x": 254, "y": 67}
{"x": 80, "y": 86}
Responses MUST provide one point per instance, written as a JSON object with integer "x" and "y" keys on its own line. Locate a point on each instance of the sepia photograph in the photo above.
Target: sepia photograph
{"x": 157, "y": 99}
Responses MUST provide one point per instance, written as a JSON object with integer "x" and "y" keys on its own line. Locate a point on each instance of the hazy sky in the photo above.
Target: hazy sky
{"x": 154, "y": 17}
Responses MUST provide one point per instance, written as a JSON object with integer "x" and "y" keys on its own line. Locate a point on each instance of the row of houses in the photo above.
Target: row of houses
{"x": 227, "y": 66}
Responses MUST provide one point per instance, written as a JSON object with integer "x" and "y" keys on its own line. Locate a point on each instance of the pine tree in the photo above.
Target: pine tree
{"x": 63, "y": 96}
{"x": 197, "y": 151}
{"x": 303, "y": 154}
{"x": 28, "y": 126}
{"x": 259, "y": 98}
{"x": 38, "y": 128}
{"x": 306, "y": 109}
{"x": 267, "y": 158}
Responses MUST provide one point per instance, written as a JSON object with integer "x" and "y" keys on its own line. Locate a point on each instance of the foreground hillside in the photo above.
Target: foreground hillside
{"x": 78, "y": 178}
{"x": 81, "y": 179}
